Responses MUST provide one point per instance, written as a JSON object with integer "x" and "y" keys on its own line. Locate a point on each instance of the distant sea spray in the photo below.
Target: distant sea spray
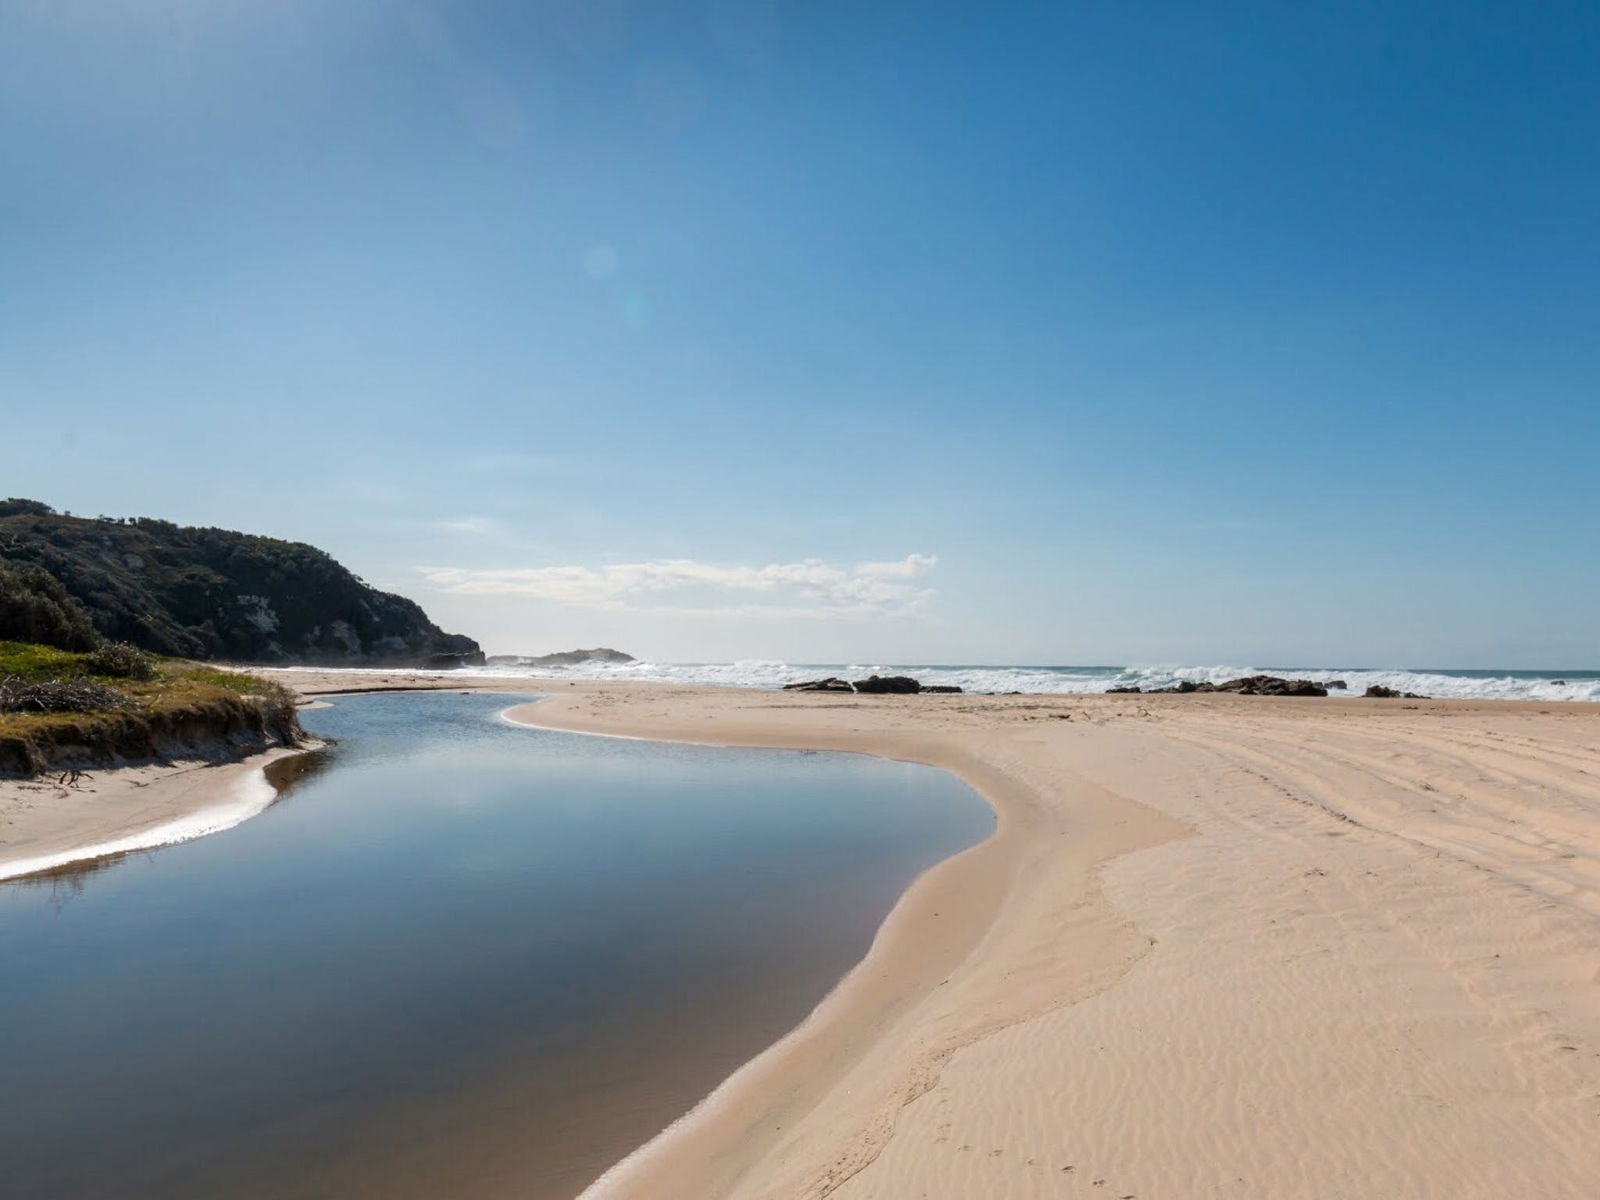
{"x": 1577, "y": 684}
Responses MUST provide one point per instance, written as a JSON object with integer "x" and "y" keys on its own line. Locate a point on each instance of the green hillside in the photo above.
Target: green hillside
{"x": 201, "y": 593}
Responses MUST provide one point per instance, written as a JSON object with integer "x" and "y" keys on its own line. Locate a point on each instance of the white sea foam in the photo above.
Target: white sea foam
{"x": 249, "y": 796}
{"x": 763, "y": 673}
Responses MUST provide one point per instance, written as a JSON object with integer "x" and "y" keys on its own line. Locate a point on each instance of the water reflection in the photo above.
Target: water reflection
{"x": 460, "y": 959}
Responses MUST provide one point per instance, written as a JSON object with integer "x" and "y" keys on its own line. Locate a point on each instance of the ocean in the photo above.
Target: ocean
{"x": 1574, "y": 684}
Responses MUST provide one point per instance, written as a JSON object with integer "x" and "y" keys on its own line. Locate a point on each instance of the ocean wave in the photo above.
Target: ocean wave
{"x": 765, "y": 673}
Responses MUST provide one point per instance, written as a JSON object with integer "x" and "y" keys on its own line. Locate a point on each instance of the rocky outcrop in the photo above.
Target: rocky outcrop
{"x": 874, "y": 685}
{"x": 1247, "y": 685}
{"x": 1378, "y": 692}
{"x": 829, "y": 684}
{"x": 888, "y": 684}
{"x": 215, "y": 594}
{"x": 454, "y": 662}
{"x": 1272, "y": 685}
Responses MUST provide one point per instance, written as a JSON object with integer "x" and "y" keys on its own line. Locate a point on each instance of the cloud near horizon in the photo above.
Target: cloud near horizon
{"x": 808, "y": 589}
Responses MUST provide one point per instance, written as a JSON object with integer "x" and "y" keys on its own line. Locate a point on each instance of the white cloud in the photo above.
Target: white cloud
{"x": 806, "y": 589}
{"x": 466, "y": 526}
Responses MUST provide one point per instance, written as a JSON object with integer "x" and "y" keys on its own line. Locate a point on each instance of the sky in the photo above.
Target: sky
{"x": 1231, "y": 332}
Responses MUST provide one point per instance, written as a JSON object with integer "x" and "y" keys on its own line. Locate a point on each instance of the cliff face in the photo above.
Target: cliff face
{"x": 216, "y": 594}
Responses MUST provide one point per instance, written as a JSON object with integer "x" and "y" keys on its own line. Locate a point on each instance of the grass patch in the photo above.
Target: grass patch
{"x": 35, "y": 664}
{"x": 183, "y": 705}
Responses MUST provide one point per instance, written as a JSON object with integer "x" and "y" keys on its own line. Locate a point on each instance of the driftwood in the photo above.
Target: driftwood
{"x": 58, "y": 696}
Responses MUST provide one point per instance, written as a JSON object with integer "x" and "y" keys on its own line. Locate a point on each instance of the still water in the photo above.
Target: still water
{"x": 458, "y": 959}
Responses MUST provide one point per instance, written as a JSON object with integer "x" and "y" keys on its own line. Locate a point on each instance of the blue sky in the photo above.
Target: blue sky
{"x": 1202, "y": 332}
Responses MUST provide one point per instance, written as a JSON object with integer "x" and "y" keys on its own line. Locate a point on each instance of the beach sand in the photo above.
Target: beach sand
{"x": 1217, "y": 946}
{"x": 46, "y": 824}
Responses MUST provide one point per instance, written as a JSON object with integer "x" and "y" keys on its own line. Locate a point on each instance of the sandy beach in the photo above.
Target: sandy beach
{"x": 52, "y": 822}
{"x": 1217, "y": 946}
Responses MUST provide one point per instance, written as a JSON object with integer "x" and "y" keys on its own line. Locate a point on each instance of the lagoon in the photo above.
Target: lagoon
{"x": 459, "y": 957}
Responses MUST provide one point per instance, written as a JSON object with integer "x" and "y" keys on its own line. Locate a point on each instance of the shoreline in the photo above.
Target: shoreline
{"x": 909, "y": 957}
{"x": 124, "y": 810}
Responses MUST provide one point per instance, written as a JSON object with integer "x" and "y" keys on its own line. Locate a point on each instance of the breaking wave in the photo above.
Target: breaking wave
{"x": 759, "y": 673}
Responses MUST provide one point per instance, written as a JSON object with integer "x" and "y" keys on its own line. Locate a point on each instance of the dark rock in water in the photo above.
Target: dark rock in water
{"x": 941, "y": 689}
{"x": 1559, "y": 682}
{"x": 896, "y": 684}
{"x": 1117, "y": 691}
{"x": 1379, "y": 692}
{"x": 453, "y": 662}
{"x": 1298, "y": 687}
{"x": 830, "y": 684}
{"x": 1272, "y": 685}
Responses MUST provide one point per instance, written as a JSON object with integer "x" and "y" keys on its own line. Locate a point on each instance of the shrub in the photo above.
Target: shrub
{"x": 120, "y": 661}
{"x": 16, "y": 506}
{"x": 35, "y": 607}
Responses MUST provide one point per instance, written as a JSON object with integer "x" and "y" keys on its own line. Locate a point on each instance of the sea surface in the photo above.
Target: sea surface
{"x": 457, "y": 958}
{"x": 1574, "y": 684}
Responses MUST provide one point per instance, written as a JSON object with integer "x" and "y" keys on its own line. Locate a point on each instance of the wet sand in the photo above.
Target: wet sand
{"x": 46, "y": 824}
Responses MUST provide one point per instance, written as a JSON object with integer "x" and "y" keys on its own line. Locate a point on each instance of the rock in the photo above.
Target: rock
{"x": 1379, "y": 692}
{"x": 453, "y": 662}
{"x": 1118, "y": 691}
{"x": 1337, "y": 685}
{"x": 829, "y": 684}
{"x": 1272, "y": 685}
{"x": 1559, "y": 682}
{"x": 941, "y": 689}
{"x": 895, "y": 684}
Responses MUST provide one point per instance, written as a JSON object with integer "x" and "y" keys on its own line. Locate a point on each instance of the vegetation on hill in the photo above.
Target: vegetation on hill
{"x": 61, "y": 709}
{"x": 199, "y": 593}
{"x": 34, "y": 607}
